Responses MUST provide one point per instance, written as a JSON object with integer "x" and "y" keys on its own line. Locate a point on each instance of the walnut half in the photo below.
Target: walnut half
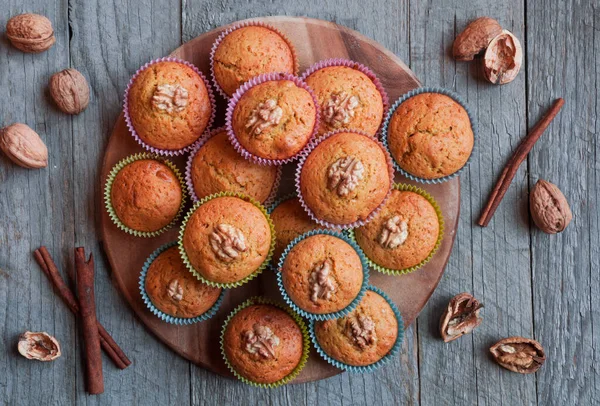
{"x": 227, "y": 242}
{"x": 344, "y": 175}
{"x": 393, "y": 233}
{"x": 340, "y": 108}
{"x": 361, "y": 329}
{"x": 40, "y": 346}
{"x": 261, "y": 340}
{"x": 460, "y": 317}
{"x": 519, "y": 354}
{"x": 321, "y": 282}
{"x": 265, "y": 115}
{"x": 170, "y": 98}
{"x": 175, "y": 290}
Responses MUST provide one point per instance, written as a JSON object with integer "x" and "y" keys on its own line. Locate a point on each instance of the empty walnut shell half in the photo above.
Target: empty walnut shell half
{"x": 460, "y": 317}
{"x": 519, "y": 354}
{"x": 40, "y": 346}
{"x": 475, "y": 38}
{"x": 549, "y": 207}
{"x": 503, "y": 58}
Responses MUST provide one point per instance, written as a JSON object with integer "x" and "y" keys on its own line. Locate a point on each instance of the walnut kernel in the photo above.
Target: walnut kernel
{"x": 518, "y": 354}
{"x": 344, "y": 175}
{"x": 393, "y": 233}
{"x": 175, "y": 290}
{"x": 361, "y": 329}
{"x": 261, "y": 340}
{"x": 170, "y": 98}
{"x": 40, "y": 346}
{"x": 265, "y": 115}
{"x": 227, "y": 242}
{"x": 321, "y": 283}
{"x": 340, "y": 108}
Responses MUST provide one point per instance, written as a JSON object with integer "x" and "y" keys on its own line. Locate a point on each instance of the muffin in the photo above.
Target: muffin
{"x": 290, "y": 221}
{"x": 274, "y": 118}
{"x": 349, "y": 97}
{"x": 403, "y": 234}
{"x": 430, "y": 136}
{"x": 247, "y": 52}
{"x": 146, "y": 195}
{"x": 263, "y": 343}
{"x": 217, "y": 167}
{"x": 169, "y": 105}
{"x": 226, "y": 240}
{"x": 174, "y": 290}
{"x": 322, "y": 274}
{"x": 345, "y": 178}
{"x": 364, "y": 336}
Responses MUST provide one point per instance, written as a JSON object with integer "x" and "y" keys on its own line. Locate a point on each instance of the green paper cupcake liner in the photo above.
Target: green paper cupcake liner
{"x": 367, "y": 368}
{"x": 333, "y": 315}
{"x": 305, "y": 342}
{"x": 111, "y": 178}
{"x": 436, "y": 207}
{"x": 159, "y": 313}
{"x": 186, "y": 260}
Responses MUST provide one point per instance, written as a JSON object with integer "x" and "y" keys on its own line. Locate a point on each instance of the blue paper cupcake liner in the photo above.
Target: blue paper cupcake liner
{"x": 414, "y": 92}
{"x": 367, "y": 368}
{"x": 162, "y": 315}
{"x": 333, "y": 315}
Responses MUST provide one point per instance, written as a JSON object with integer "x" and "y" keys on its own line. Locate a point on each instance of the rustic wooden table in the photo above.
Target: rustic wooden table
{"x": 532, "y": 284}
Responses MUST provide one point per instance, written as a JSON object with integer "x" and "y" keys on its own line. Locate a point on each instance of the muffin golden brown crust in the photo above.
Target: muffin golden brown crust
{"x": 218, "y": 167}
{"x": 430, "y": 136}
{"x": 283, "y": 343}
{"x": 274, "y": 119}
{"x": 169, "y": 105}
{"x": 322, "y": 274}
{"x": 227, "y": 239}
{"x": 176, "y": 291}
{"x": 290, "y": 220}
{"x": 362, "y": 337}
{"x": 417, "y": 237}
{"x": 345, "y": 178}
{"x": 348, "y": 98}
{"x": 146, "y": 195}
{"x": 248, "y": 52}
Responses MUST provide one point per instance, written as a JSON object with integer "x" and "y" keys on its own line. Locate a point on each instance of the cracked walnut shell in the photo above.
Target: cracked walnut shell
{"x": 39, "y": 346}
{"x": 460, "y": 317}
{"x": 475, "y": 38}
{"x": 23, "y": 146}
{"x": 70, "y": 91}
{"x": 31, "y": 33}
{"x": 549, "y": 207}
{"x": 503, "y": 58}
{"x": 518, "y": 354}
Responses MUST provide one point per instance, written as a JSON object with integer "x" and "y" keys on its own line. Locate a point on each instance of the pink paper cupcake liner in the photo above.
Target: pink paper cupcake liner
{"x": 237, "y": 26}
{"x": 302, "y": 160}
{"x": 238, "y": 95}
{"x": 359, "y": 67}
{"x": 188, "y": 169}
{"x": 134, "y": 134}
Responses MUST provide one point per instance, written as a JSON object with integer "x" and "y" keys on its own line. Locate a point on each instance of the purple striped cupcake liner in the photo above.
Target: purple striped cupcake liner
{"x": 238, "y": 95}
{"x": 359, "y": 67}
{"x": 134, "y": 134}
{"x": 188, "y": 169}
{"x": 302, "y": 161}
{"x": 237, "y": 26}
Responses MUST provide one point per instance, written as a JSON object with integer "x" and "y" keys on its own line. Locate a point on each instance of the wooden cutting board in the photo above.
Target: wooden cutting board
{"x": 314, "y": 40}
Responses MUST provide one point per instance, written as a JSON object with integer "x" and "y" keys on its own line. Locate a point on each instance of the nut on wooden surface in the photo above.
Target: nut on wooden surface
{"x": 460, "y": 317}
{"x": 503, "y": 58}
{"x": 549, "y": 207}
{"x": 70, "y": 91}
{"x": 39, "y": 346}
{"x": 475, "y": 38}
{"x": 23, "y": 146}
{"x": 31, "y": 33}
{"x": 518, "y": 354}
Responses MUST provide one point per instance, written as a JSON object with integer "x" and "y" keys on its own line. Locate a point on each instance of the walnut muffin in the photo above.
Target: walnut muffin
{"x": 169, "y": 105}
{"x": 322, "y": 274}
{"x": 218, "y": 167}
{"x": 290, "y": 221}
{"x": 227, "y": 239}
{"x": 402, "y": 234}
{"x": 430, "y": 136}
{"x": 274, "y": 119}
{"x": 362, "y": 337}
{"x": 248, "y": 52}
{"x": 263, "y": 343}
{"x": 146, "y": 195}
{"x": 345, "y": 178}
{"x": 176, "y": 291}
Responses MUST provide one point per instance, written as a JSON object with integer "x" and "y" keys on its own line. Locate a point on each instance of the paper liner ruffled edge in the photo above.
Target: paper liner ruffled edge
{"x": 237, "y": 26}
{"x": 257, "y": 80}
{"x": 438, "y": 211}
{"x": 186, "y": 260}
{"x": 305, "y": 342}
{"x": 366, "y": 368}
{"x": 111, "y": 178}
{"x": 339, "y": 313}
{"x": 402, "y": 99}
{"x": 300, "y": 166}
{"x": 128, "y": 122}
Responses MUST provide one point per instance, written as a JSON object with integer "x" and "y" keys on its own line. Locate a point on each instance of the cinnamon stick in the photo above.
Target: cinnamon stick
{"x": 515, "y": 161}
{"x": 110, "y": 347}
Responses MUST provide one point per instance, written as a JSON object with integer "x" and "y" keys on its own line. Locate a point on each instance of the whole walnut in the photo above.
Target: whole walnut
{"x": 23, "y": 146}
{"x": 549, "y": 207}
{"x": 31, "y": 33}
{"x": 70, "y": 91}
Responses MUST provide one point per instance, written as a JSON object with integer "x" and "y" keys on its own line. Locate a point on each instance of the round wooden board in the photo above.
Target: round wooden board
{"x": 314, "y": 40}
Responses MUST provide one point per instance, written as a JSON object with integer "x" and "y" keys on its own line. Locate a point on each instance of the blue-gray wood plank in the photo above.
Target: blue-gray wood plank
{"x": 532, "y": 284}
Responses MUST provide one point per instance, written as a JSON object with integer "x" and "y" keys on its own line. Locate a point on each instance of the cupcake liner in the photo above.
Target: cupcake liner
{"x": 238, "y": 95}
{"x": 436, "y": 207}
{"x": 186, "y": 259}
{"x": 111, "y": 178}
{"x": 162, "y": 315}
{"x": 359, "y": 67}
{"x": 305, "y": 341}
{"x": 237, "y": 26}
{"x": 302, "y": 160}
{"x": 188, "y": 168}
{"x": 414, "y": 92}
{"x": 333, "y": 315}
{"x": 134, "y": 134}
{"x": 367, "y": 368}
